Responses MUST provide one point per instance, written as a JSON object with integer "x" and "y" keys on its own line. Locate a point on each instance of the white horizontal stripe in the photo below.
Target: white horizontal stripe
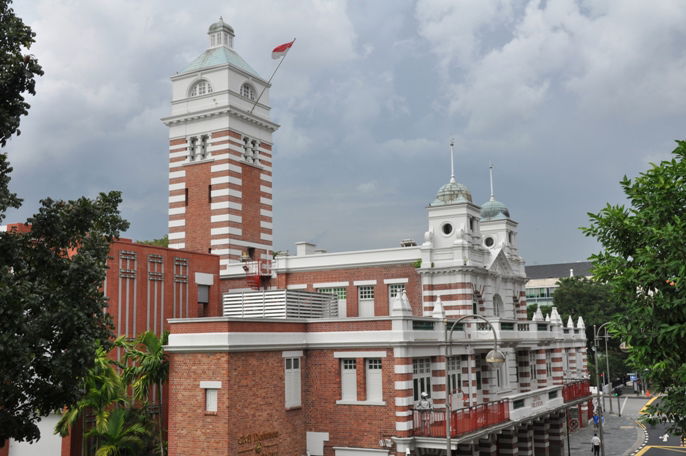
{"x": 403, "y": 385}
{"x": 403, "y": 425}
{"x": 446, "y": 292}
{"x": 182, "y": 153}
{"x": 251, "y": 244}
{"x": 360, "y": 354}
{"x": 404, "y": 413}
{"x": 265, "y": 237}
{"x": 226, "y": 205}
{"x": 177, "y": 210}
{"x": 173, "y": 223}
{"x": 223, "y": 241}
{"x": 179, "y": 186}
{"x": 267, "y": 225}
{"x": 177, "y": 174}
{"x": 265, "y": 189}
{"x": 403, "y": 368}
{"x": 226, "y": 230}
{"x": 225, "y": 167}
{"x": 226, "y": 218}
{"x": 265, "y": 212}
{"x": 358, "y": 283}
{"x": 226, "y": 192}
{"x": 179, "y": 235}
{"x": 176, "y": 164}
{"x": 225, "y": 180}
{"x": 177, "y": 198}
{"x": 178, "y": 245}
{"x": 393, "y": 281}
{"x": 226, "y": 252}
{"x": 297, "y": 286}
{"x": 331, "y": 284}
{"x": 264, "y": 200}
{"x": 266, "y": 177}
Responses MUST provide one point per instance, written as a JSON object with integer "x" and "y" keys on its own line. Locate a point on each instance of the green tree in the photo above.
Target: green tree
{"x": 593, "y": 300}
{"x": 148, "y": 369}
{"x": 643, "y": 263}
{"x": 51, "y": 306}
{"x": 122, "y": 436}
{"x": 161, "y": 242}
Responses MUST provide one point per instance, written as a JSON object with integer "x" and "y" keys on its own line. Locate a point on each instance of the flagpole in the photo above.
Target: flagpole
{"x": 270, "y": 78}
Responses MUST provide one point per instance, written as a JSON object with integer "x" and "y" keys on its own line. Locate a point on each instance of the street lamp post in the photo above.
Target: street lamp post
{"x": 597, "y": 382}
{"x": 494, "y": 357}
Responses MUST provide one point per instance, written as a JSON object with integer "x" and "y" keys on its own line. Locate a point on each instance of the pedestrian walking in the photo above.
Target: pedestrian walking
{"x": 595, "y": 445}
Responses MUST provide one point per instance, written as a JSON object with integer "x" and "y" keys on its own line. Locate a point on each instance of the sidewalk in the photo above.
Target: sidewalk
{"x": 621, "y": 434}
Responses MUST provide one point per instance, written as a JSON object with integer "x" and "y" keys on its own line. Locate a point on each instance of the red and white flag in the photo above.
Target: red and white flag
{"x": 281, "y": 50}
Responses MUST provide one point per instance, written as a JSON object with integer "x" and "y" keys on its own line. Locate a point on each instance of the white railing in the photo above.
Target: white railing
{"x": 280, "y": 304}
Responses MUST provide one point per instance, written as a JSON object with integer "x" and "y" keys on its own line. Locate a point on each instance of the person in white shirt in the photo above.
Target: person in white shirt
{"x": 595, "y": 442}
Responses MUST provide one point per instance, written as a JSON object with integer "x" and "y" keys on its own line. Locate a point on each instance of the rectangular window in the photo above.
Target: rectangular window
{"x": 421, "y": 377}
{"x": 349, "y": 379}
{"x": 292, "y": 382}
{"x": 475, "y": 305}
{"x": 479, "y": 381}
{"x": 365, "y": 302}
{"x": 209, "y": 193}
{"x": 373, "y": 380}
{"x": 454, "y": 374}
{"x": 548, "y": 364}
{"x": 211, "y": 400}
{"x": 203, "y": 299}
{"x": 532, "y": 365}
{"x": 340, "y": 293}
{"x": 186, "y": 195}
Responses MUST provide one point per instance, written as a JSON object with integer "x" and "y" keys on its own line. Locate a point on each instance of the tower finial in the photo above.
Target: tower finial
{"x": 490, "y": 172}
{"x": 452, "y": 160}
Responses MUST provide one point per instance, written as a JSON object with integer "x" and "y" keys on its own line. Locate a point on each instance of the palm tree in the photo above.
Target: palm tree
{"x": 119, "y": 438}
{"x": 103, "y": 390}
{"x": 148, "y": 367}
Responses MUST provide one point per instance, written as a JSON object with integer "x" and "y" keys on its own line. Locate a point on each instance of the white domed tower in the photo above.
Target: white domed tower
{"x": 220, "y": 155}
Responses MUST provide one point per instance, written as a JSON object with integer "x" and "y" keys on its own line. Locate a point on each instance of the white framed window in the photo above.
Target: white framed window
{"x": 421, "y": 377}
{"x": 248, "y": 92}
{"x": 349, "y": 379}
{"x": 365, "y": 303}
{"x": 454, "y": 374}
{"x": 548, "y": 364}
{"x": 211, "y": 400}
{"x": 292, "y": 385}
{"x": 374, "y": 380}
{"x": 532, "y": 365}
{"x": 202, "y": 87}
{"x": 341, "y": 296}
{"x": 202, "y": 152}
{"x": 192, "y": 147}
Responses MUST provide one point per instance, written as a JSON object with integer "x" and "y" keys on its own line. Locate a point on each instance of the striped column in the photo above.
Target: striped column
{"x": 571, "y": 359}
{"x": 470, "y": 381}
{"x": 525, "y": 440}
{"x": 541, "y": 371}
{"x": 521, "y": 310}
{"x": 556, "y": 435}
{"x": 455, "y": 296}
{"x": 558, "y": 370}
{"x": 583, "y": 369}
{"x": 541, "y": 438}
{"x": 508, "y": 443}
{"x": 487, "y": 446}
{"x": 402, "y": 381}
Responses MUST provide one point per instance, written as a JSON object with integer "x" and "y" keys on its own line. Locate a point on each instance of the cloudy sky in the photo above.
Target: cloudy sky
{"x": 564, "y": 97}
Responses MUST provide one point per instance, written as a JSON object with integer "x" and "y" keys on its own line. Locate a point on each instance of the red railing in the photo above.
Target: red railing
{"x": 576, "y": 390}
{"x": 431, "y": 423}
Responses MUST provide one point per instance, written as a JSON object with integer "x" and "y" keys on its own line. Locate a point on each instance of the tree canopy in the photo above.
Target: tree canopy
{"x": 644, "y": 263}
{"x": 51, "y": 305}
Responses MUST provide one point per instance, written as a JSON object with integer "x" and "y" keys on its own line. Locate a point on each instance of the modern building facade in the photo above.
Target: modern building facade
{"x": 544, "y": 278}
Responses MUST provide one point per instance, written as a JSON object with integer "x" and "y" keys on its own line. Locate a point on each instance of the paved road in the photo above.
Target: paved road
{"x": 622, "y": 435}
{"x": 658, "y": 445}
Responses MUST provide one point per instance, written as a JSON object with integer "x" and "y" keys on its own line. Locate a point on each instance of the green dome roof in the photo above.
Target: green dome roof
{"x": 452, "y": 193}
{"x": 493, "y": 209}
{"x": 219, "y": 56}
{"x": 218, "y": 26}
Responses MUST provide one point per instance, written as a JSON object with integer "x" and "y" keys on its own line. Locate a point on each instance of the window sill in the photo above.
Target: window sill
{"x": 376, "y": 403}
{"x": 295, "y": 407}
{"x": 210, "y": 413}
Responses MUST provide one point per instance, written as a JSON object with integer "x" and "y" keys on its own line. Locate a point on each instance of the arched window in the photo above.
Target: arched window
{"x": 201, "y": 87}
{"x": 248, "y": 91}
{"x": 497, "y": 305}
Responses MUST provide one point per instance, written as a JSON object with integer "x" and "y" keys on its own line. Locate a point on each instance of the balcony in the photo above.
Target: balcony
{"x": 463, "y": 421}
{"x": 576, "y": 390}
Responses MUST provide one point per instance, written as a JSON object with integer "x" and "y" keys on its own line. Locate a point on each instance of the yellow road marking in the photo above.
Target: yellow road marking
{"x": 673, "y": 449}
{"x": 650, "y": 401}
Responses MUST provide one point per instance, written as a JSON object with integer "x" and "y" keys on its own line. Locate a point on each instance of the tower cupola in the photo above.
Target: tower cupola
{"x": 221, "y": 34}
{"x": 453, "y": 192}
{"x": 492, "y": 209}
